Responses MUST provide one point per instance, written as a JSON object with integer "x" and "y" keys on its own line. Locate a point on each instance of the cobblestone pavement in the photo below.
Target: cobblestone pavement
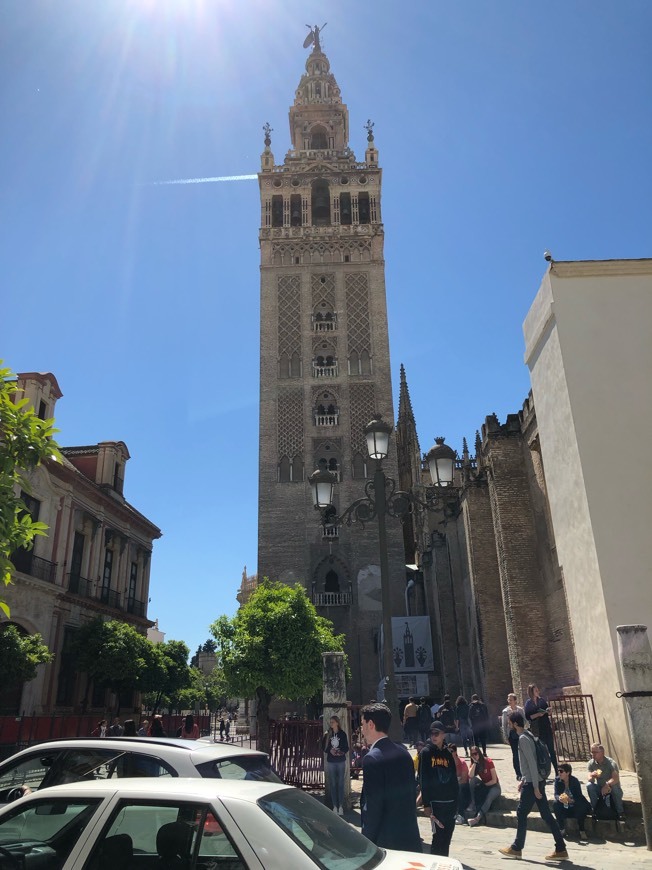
{"x": 477, "y": 848}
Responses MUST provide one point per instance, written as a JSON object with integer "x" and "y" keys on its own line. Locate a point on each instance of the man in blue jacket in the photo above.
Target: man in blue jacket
{"x": 388, "y": 802}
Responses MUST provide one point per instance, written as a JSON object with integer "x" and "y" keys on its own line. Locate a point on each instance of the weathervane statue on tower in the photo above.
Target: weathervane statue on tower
{"x": 313, "y": 36}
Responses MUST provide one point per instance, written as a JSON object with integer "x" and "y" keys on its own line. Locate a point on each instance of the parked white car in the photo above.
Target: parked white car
{"x": 194, "y": 824}
{"x": 88, "y": 758}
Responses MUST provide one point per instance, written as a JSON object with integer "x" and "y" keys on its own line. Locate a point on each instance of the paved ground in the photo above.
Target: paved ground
{"x": 477, "y": 848}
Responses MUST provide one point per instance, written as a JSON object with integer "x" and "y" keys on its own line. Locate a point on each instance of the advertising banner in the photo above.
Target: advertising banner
{"x": 412, "y": 644}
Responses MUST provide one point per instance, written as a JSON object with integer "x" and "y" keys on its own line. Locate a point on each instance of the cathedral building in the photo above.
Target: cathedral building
{"x": 325, "y": 367}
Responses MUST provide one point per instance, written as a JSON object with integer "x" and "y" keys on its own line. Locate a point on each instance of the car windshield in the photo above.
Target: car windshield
{"x": 252, "y": 767}
{"x": 47, "y": 828}
{"x": 330, "y": 842}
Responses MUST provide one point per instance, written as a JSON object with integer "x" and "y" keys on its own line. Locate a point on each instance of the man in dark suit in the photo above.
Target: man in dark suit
{"x": 389, "y": 816}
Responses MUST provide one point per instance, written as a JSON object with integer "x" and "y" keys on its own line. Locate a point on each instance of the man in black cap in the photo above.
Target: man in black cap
{"x": 439, "y": 788}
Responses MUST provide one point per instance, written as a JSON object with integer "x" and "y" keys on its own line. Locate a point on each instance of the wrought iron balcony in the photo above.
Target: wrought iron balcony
{"x": 26, "y": 562}
{"x": 138, "y": 608}
{"x": 79, "y": 585}
{"x": 110, "y": 597}
{"x": 331, "y": 599}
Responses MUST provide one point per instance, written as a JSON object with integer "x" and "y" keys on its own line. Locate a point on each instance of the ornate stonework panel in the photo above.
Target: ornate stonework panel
{"x": 323, "y": 292}
{"x": 290, "y": 423}
{"x": 289, "y": 315}
{"x": 357, "y": 312}
{"x": 326, "y": 251}
{"x": 363, "y": 408}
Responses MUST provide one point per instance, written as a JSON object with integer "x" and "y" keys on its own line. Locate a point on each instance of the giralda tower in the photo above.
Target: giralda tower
{"x": 324, "y": 365}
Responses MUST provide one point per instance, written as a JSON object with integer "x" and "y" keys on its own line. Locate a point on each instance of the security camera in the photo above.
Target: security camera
{"x": 547, "y": 256}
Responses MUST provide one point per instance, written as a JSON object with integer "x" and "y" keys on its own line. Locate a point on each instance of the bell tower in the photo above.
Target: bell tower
{"x": 324, "y": 365}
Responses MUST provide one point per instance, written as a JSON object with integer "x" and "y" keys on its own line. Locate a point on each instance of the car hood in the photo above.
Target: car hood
{"x": 416, "y": 861}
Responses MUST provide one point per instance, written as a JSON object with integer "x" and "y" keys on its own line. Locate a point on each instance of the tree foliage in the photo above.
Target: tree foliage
{"x": 273, "y": 647}
{"x": 20, "y": 655}
{"x": 25, "y": 441}
{"x": 174, "y": 675}
{"x": 114, "y": 654}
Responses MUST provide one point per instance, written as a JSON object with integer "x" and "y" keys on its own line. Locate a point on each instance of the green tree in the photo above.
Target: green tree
{"x": 273, "y": 647}
{"x": 174, "y": 672}
{"x": 25, "y": 442}
{"x": 114, "y": 654}
{"x": 20, "y": 655}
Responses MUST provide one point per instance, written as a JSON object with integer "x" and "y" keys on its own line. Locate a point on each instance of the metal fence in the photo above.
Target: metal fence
{"x": 17, "y": 732}
{"x": 296, "y": 754}
{"x": 575, "y": 726}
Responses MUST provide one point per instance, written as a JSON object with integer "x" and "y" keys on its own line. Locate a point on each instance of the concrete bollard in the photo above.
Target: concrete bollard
{"x": 636, "y": 663}
{"x": 334, "y": 700}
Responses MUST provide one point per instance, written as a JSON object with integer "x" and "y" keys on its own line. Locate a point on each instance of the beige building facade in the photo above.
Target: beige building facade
{"x": 94, "y": 561}
{"x": 589, "y": 352}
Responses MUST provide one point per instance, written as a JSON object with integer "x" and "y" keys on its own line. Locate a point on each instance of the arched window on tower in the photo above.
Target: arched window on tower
{"x": 365, "y": 363}
{"x": 295, "y": 210}
{"x": 297, "y": 468}
{"x": 354, "y": 363}
{"x": 359, "y": 467}
{"x": 345, "y": 209}
{"x": 321, "y": 204}
{"x": 318, "y": 138}
{"x": 363, "y": 208}
{"x": 331, "y": 582}
{"x": 295, "y": 365}
{"x": 284, "y": 470}
{"x": 283, "y": 366}
{"x": 277, "y": 211}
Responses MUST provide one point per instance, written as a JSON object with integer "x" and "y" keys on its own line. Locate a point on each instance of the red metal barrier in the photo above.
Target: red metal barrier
{"x": 296, "y": 754}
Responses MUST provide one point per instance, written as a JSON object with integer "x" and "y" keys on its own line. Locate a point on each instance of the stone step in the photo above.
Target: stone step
{"x": 631, "y": 829}
{"x": 507, "y": 803}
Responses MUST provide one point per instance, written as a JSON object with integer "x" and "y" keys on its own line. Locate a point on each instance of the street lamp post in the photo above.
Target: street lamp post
{"x": 382, "y": 499}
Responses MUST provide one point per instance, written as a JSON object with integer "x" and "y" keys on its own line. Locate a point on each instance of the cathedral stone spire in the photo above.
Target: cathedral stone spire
{"x": 319, "y": 120}
{"x": 404, "y": 402}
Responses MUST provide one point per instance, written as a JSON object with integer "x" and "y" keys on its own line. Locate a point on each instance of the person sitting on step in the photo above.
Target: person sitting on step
{"x": 569, "y": 801}
{"x": 483, "y": 779}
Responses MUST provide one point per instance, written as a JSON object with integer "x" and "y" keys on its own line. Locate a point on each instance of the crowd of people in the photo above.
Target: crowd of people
{"x": 454, "y": 790}
{"x": 188, "y": 730}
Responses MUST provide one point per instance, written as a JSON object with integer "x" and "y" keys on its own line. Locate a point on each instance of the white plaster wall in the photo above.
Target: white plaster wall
{"x": 590, "y": 357}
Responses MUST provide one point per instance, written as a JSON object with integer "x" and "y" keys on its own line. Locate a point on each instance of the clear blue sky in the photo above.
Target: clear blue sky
{"x": 504, "y": 128}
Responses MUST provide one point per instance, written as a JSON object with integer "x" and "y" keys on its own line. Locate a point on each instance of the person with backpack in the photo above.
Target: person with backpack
{"x": 446, "y": 717}
{"x": 535, "y": 767}
{"x": 479, "y": 719}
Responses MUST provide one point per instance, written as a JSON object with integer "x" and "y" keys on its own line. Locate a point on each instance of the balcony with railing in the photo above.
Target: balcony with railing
{"x": 81, "y": 586}
{"x": 331, "y": 599}
{"x": 324, "y": 322}
{"x": 26, "y": 562}
{"x": 324, "y": 371}
{"x": 327, "y": 419}
{"x": 137, "y": 608}
{"x": 330, "y": 531}
{"x": 110, "y": 597}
